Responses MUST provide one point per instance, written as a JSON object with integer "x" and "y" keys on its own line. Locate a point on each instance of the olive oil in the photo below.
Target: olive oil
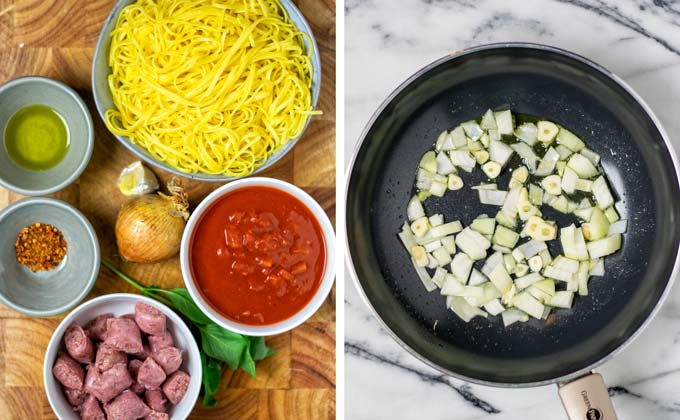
{"x": 36, "y": 138}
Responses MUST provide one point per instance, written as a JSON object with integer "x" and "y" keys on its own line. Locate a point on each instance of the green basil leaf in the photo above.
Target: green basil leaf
{"x": 182, "y": 301}
{"x": 259, "y": 349}
{"x": 223, "y": 345}
{"x": 212, "y": 374}
{"x": 247, "y": 362}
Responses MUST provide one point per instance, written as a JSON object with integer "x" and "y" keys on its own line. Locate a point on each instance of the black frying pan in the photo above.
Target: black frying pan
{"x": 534, "y": 80}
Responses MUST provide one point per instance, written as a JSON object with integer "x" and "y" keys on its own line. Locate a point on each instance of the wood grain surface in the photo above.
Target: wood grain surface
{"x": 56, "y": 38}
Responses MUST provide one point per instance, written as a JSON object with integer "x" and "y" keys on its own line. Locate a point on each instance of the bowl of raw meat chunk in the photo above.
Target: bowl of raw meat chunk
{"x": 122, "y": 357}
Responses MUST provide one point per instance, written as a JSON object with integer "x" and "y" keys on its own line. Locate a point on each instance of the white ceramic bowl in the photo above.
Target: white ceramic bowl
{"x": 328, "y": 275}
{"x": 121, "y": 304}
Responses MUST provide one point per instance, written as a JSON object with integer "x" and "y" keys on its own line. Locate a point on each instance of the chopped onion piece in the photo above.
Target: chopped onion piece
{"x": 484, "y": 225}
{"x": 528, "y": 304}
{"x": 603, "y": 195}
{"x": 488, "y": 121}
{"x": 431, "y": 246}
{"x": 461, "y": 266}
{"x": 605, "y": 246}
{"x": 532, "y": 248}
{"x": 611, "y": 214}
{"x": 492, "y": 197}
{"x": 584, "y": 185}
{"x": 563, "y": 152}
{"x": 464, "y": 310}
{"x": 573, "y": 243}
{"x": 593, "y": 157}
{"x": 477, "y": 278}
{"x": 424, "y": 277}
{"x": 500, "y": 278}
{"x": 444, "y": 142}
{"x": 505, "y": 237}
{"x": 449, "y": 244}
{"x": 569, "y": 140}
{"x": 526, "y": 281}
{"x": 429, "y": 162}
{"x": 463, "y": 159}
{"x": 472, "y": 129}
{"x": 583, "y": 277}
{"x": 561, "y": 299}
{"x": 597, "y": 268}
{"x": 547, "y": 164}
{"x": 415, "y": 209}
{"x": 597, "y": 226}
{"x": 569, "y": 180}
{"x": 458, "y": 137}
{"x": 527, "y": 132}
{"x": 494, "y": 307}
{"x": 582, "y": 166}
{"x": 494, "y": 260}
{"x": 501, "y": 249}
{"x": 444, "y": 165}
{"x": 505, "y": 122}
{"x": 618, "y": 227}
{"x": 510, "y": 316}
{"x": 442, "y": 256}
{"x": 527, "y": 154}
{"x": 407, "y": 237}
{"x": 500, "y": 152}
{"x": 439, "y": 276}
{"x": 437, "y": 188}
{"x": 472, "y": 243}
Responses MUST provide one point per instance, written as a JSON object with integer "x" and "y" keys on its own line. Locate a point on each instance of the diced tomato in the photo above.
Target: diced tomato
{"x": 299, "y": 268}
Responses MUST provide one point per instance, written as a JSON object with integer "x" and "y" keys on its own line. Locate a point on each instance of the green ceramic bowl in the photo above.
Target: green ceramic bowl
{"x": 25, "y": 91}
{"x": 46, "y": 293}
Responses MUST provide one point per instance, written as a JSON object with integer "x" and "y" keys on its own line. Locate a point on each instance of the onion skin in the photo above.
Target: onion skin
{"x": 149, "y": 229}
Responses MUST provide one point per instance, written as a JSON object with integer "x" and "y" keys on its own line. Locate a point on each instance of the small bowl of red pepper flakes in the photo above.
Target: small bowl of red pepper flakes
{"x": 49, "y": 256}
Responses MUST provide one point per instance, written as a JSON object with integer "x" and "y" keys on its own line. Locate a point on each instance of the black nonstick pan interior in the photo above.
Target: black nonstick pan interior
{"x": 538, "y": 81}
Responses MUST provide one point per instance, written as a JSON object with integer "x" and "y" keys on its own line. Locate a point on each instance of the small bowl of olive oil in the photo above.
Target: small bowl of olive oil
{"x": 47, "y": 135}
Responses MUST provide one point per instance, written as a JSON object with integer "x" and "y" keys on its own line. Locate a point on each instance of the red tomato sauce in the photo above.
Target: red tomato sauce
{"x": 258, "y": 255}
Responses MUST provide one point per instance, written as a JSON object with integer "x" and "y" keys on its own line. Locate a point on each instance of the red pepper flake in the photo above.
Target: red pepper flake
{"x": 40, "y": 247}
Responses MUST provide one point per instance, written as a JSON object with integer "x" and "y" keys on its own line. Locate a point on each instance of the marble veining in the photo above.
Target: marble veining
{"x": 387, "y": 41}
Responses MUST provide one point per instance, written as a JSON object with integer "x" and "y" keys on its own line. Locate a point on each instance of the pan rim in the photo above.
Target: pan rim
{"x": 362, "y": 138}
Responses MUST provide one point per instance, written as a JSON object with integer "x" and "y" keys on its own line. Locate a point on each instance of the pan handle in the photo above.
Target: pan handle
{"x": 586, "y": 398}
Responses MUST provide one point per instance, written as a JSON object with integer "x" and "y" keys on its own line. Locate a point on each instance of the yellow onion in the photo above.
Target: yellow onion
{"x": 149, "y": 228}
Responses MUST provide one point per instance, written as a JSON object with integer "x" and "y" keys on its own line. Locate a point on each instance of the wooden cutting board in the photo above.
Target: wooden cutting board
{"x": 56, "y": 38}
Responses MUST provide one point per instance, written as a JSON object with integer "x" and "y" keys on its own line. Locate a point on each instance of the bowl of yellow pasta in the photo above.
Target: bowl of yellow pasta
{"x": 207, "y": 90}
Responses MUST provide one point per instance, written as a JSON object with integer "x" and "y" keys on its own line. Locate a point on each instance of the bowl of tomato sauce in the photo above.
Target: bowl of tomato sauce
{"x": 257, "y": 256}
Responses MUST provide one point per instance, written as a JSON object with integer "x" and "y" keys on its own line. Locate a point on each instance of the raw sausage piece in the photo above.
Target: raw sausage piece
{"x": 133, "y": 367}
{"x": 150, "y": 374}
{"x": 97, "y": 327}
{"x": 123, "y": 334}
{"x": 156, "y": 415}
{"x": 75, "y": 397}
{"x": 107, "y": 357}
{"x": 161, "y": 341}
{"x": 126, "y": 406}
{"x": 170, "y": 359}
{"x": 68, "y": 372}
{"x": 155, "y": 400}
{"x": 90, "y": 409}
{"x": 106, "y": 385}
{"x": 149, "y": 319}
{"x": 176, "y": 386}
{"x": 78, "y": 344}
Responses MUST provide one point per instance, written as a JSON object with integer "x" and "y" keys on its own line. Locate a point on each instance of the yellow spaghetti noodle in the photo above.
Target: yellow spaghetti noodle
{"x": 205, "y": 86}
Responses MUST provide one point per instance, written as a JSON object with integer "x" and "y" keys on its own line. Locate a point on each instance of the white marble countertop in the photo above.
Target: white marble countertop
{"x": 387, "y": 41}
